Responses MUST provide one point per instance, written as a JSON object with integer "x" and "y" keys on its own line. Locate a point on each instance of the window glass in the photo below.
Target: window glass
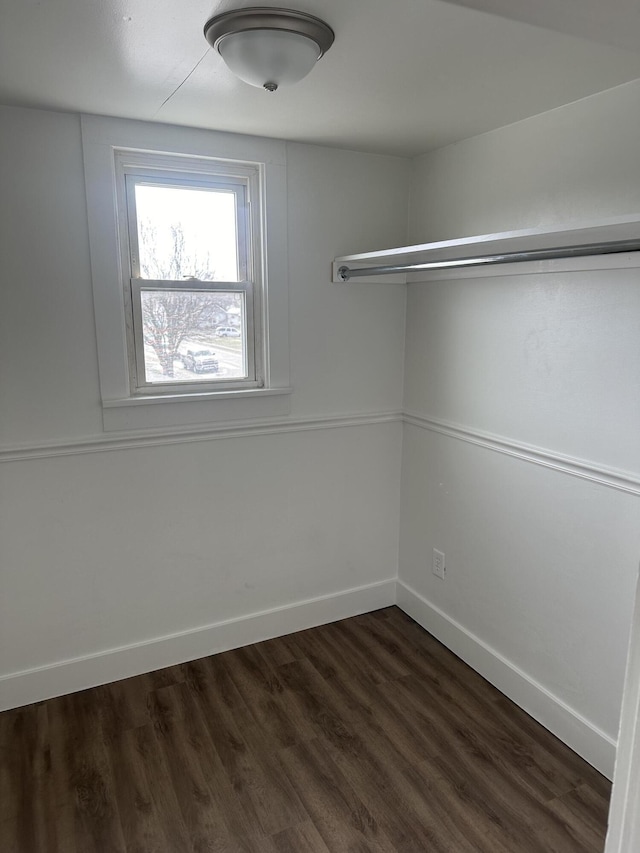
{"x": 186, "y": 232}
{"x": 193, "y": 336}
{"x": 192, "y": 303}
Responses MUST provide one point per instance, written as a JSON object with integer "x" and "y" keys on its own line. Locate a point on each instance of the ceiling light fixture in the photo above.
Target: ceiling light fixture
{"x": 269, "y": 47}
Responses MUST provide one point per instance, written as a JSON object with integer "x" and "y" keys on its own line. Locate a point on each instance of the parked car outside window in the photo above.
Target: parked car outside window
{"x": 200, "y": 361}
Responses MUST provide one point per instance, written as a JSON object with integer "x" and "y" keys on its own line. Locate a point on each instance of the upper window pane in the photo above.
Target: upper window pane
{"x": 186, "y": 232}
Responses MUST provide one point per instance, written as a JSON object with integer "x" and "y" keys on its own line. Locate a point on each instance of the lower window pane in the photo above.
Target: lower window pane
{"x": 193, "y": 336}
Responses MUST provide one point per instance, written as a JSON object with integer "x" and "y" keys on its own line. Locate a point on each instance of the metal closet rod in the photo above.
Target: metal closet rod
{"x": 609, "y": 248}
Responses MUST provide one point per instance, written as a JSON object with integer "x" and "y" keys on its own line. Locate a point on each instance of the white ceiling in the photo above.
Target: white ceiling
{"x": 402, "y": 77}
{"x": 615, "y": 22}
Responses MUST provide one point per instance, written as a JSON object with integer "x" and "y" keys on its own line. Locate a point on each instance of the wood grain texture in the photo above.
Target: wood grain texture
{"x": 366, "y": 735}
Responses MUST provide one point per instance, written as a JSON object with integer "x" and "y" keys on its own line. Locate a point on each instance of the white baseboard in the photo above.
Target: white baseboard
{"x": 69, "y": 676}
{"x": 594, "y": 745}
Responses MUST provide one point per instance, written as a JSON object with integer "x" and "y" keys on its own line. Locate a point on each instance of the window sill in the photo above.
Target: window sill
{"x": 207, "y": 396}
{"x": 160, "y": 412}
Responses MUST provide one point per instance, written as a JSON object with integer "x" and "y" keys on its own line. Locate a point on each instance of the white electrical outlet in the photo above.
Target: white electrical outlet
{"x": 438, "y": 564}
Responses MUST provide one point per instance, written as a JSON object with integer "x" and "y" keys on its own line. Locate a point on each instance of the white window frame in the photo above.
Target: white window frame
{"x": 244, "y": 180}
{"x": 125, "y": 406}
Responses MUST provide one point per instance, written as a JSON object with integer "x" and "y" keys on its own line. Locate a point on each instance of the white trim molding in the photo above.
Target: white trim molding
{"x": 623, "y": 481}
{"x": 624, "y": 815}
{"x": 594, "y": 745}
{"x": 153, "y": 438}
{"x": 69, "y": 676}
{"x": 620, "y": 480}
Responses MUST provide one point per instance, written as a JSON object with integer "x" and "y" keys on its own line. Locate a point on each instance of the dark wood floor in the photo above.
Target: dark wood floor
{"x": 364, "y": 735}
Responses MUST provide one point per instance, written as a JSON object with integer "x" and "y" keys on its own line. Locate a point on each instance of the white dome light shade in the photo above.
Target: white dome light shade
{"x": 267, "y": 46}
{"x": 269, "y": 58}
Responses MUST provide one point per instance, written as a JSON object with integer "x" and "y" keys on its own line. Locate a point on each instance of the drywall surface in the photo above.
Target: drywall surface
{"x": 109, "y": 549}
{"x": 548, "y": 360}
{"x": 540, "y": 564}
{"x": 347, "y": 341}
{"x": 48, "y": 361}
{"x": 571, "y": 165}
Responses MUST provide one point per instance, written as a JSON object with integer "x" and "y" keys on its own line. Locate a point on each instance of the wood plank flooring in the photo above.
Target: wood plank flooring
{"x": 363, "y": 735}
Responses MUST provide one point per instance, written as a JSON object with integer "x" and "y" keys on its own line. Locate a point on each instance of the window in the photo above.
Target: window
{"x": 188, "y": 239}
{"x": 191, "y": 270}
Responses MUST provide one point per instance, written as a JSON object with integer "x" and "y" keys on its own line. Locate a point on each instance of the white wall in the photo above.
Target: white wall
{"x": 572, "y": 164}
{"x": 109, "y": 549}
{"x": 541, "y": 566}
